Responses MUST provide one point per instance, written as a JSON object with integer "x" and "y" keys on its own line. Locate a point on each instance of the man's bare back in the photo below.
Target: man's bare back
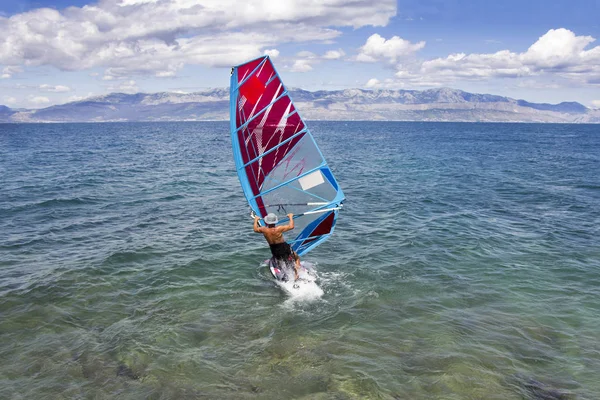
{"x": 274, "y": 236}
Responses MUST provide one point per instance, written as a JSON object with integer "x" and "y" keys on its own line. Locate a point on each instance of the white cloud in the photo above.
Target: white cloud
{"x": 129, "y": 86}
{"x": 302, "y": 66}
{"x": 378, "y": 48}
{"x": 536, "y": 84}
{"x": 305, "y": 60}
{"x": 124, "y": 3}
{"x": 557, "y": 59}
{"x": 38, "y": 100}
{"x": 476, "y": 66}
{"x": 307, "y": 54}
{"x": 44, "y": 88}
{"x": 596, "y": 103}
{"x": 273, "y": 53}
{"x": 55, "y": 89}
{"x": 334, "y": 54}
{"x": 559, "y": 48}
{"x": 388, "y": 83}
{"x": 559, "y": 52}
{"x": 71, "y": 99}
{"x": 129, "y": 37}
{"x": 9, "y": 100}
{"x": 8, "y": 72}
{"x": 372, "y": 83}
{"x": 79, "y": 98}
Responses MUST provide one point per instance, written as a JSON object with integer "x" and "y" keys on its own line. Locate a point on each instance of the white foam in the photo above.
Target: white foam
{"x": 301, "y": 290}
{"x": 305, "y": 288}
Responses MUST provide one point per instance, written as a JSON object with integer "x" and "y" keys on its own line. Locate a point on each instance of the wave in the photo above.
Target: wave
{"x": 53, "y": 203}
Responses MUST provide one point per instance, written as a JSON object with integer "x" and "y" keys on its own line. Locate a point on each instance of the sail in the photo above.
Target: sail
{"x": 280, "y": 167}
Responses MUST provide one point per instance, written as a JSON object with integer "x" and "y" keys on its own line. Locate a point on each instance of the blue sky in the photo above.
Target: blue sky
{"x": 54, "y": 51}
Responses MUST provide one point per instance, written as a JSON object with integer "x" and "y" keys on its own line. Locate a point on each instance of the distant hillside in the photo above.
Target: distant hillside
{"x": 352, "y": 104}
{"x": 567, "y": 107}
{"x": 5, "y": 113}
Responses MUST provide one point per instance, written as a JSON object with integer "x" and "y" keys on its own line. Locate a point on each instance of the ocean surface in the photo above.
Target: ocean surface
{"x": 465, "y": 265}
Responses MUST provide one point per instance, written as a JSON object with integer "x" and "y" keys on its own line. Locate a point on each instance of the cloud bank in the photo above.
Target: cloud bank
{"x": 558, "y": 53}
{"x": 159, "y": 37}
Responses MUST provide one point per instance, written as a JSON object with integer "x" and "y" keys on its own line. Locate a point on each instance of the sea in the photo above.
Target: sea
{"x": 465, "y": 264}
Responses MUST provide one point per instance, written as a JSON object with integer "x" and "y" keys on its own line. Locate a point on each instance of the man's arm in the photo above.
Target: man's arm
{"x": 290, "y": 225}
{"x": 257, "y": 229}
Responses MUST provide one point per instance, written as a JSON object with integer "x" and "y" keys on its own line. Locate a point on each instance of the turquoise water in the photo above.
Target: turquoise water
{"x": 465, "y": 265}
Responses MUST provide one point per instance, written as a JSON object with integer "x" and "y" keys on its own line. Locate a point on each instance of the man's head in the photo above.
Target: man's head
{"x": 271, "y": 219}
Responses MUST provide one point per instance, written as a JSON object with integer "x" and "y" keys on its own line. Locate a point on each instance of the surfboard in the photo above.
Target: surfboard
{"x": 305, "y": 288}
{"x": 285, "y": 272}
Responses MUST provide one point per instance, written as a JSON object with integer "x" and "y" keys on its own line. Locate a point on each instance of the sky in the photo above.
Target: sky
{"x": 56, "y": 51}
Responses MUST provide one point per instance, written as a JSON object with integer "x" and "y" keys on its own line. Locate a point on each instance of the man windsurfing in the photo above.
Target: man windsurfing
{"x": 280, "y": 249}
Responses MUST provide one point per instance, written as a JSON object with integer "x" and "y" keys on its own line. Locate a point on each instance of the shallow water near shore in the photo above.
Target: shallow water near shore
{"x": 465, "y": 265}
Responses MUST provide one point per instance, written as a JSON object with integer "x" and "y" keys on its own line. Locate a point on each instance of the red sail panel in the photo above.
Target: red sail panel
{"x": 246, "y": 69}
{"x": 252, "y": 89}
{"x": 265, "y": 123}
{"x": 323, "y": 228}
{"x": 272, "y": 127}
{"x": 247, "y": 108}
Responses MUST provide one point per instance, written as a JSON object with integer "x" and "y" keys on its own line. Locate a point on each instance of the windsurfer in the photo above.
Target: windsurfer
{"x": 280, "y": 249}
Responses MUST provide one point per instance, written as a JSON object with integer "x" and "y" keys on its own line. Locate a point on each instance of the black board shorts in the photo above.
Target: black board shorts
{"x": 281, "y": 251}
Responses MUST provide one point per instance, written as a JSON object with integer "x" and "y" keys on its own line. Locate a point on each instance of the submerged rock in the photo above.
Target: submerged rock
{"x": 537, "y": 390}
{"x": 542, "y": 391}
{"x": 124, "y": 370}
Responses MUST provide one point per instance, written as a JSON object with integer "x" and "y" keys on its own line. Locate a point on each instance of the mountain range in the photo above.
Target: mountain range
{"x": 351, "y": 104}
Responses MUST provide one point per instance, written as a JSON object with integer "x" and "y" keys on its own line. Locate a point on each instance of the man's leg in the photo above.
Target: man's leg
{"x": 296, "y": 263}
